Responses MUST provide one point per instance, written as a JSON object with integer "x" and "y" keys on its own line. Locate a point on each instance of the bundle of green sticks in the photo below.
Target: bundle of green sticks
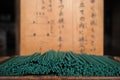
{"x": 60, "y": 64}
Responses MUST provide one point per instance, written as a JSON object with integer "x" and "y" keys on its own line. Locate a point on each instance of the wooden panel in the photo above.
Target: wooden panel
{"x": 61, "y": 25}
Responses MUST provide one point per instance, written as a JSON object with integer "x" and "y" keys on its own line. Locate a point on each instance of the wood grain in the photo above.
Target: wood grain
{"x": 41, "y": 30}
{"x": 55, "y": 78}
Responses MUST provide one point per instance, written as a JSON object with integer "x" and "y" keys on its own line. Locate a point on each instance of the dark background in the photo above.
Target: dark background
{"x": 111, "y": 27}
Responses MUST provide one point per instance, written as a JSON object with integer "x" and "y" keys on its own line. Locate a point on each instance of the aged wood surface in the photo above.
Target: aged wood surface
{"x": 2, "y": 59}
{"x": 56, "y": 78}
{"x": 64, "y": 25}
{"x": 116, "y": 58}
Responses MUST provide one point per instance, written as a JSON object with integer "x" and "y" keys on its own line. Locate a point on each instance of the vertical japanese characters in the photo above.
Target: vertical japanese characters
{"x": 62, "y": 25}
{"x": 82, "y": 26}
{"x": 60, "y": 22}
{"x": 93, "y": 23}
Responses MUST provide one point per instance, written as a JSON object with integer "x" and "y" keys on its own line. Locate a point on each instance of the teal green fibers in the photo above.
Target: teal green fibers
{"x": 60, "y": 64}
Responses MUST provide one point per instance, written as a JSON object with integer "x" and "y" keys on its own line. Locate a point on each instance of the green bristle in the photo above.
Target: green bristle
{"x": 60, "y": 64}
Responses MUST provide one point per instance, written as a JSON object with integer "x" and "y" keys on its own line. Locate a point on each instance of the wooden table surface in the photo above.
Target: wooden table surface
{"x": 56, "y": 78}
